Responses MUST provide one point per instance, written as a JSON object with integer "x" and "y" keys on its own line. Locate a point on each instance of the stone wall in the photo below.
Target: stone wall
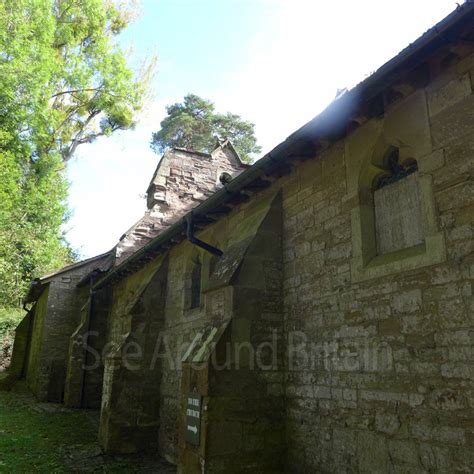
{"x": 390, "y": 382}
{"x": 34, "y": 373}
{"x": 130, "y": 402}
{"x": 20, "y": 354}
{"x": 375, "y": 351}
{"x": 94, "y": 357}
{"x": 245, "y": 287}
{"x": 56, "y": 317}
{"x": 85, "y": 368}
{"x": 242, "y": 381}
{"x": 73, "y": 390}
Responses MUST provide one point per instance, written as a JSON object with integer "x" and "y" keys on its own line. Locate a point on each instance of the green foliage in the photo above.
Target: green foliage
{"x": 9, "y": 320}
{"x": 31, "y": 213}
{"x": 195, "y": 125}
{"x": 63, "y": 82}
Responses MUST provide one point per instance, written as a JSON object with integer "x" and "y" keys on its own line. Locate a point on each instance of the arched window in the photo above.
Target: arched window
{"x": 397, "y": 204}
{"x": 394, "y": 220}
{"x": 395, "y": 171}
{"x": 195, "y": 299}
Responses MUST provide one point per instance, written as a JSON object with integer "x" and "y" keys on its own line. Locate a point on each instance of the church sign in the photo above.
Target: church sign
{"x": 193, "y": 419}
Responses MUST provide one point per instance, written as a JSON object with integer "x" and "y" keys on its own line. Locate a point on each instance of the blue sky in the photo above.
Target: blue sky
{"x": 277, "y": 63}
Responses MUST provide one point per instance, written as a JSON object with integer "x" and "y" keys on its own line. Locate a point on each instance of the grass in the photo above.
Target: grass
{"x": 47, "y": 438}
{"x": 32, "y": 440}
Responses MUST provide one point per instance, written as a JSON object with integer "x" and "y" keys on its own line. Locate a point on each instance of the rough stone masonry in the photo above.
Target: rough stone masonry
{"x": 335, "y": 331}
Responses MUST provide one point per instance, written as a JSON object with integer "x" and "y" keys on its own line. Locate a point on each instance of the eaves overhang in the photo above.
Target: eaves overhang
{"x": 335, "y": 122}
{"x": 38, "y": 285}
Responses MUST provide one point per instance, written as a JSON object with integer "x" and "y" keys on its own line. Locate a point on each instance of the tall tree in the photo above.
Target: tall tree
{"x": 62, "y": 75}
{"x": 194, "y": 125}
{"x": 63, "y": 82}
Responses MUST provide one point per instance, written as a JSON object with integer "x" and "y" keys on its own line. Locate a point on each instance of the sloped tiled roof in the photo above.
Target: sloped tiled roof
{"x": 308, "y": 141}
{"x": 103, "y": 263}
{"x": 183, "y": 179}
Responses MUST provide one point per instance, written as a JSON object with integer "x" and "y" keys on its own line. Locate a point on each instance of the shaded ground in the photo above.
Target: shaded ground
{"x": 44, "y": 437}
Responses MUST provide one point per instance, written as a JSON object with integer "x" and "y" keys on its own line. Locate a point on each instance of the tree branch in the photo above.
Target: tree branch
{"x": 78, "y": 140}
{"x": 74, "y": 91}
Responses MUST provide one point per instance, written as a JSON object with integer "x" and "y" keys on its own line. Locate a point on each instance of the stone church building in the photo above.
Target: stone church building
{"x": 313, "y": 312}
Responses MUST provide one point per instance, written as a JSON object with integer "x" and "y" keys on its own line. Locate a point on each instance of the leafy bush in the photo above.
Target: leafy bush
{"x": 9, "y": 320}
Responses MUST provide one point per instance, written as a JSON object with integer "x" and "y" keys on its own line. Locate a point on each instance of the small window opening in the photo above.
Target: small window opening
{"x": 212, "y": 264}
{"x": 196, "y": 285}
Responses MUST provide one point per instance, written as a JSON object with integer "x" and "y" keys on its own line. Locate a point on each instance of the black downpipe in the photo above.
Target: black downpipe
{"x": 194, "y": 240}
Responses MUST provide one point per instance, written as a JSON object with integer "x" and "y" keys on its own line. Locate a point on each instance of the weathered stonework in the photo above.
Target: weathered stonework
{"x": 20, "y": 355}
{"x": 181, "y": 181}
{"x": 250, "y": 272}
{"x": 43, "y": 357}
{"x": 312, "y": 347}
{"x": 412, "y": 411}
{"x": 85, "y": 370}
{"x": 371, "y": 381}
{"x": 68, "y": 324}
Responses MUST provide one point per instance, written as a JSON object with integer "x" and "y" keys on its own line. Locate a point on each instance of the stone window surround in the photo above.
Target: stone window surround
{"x": 206, "y": 261}
{"x": 366, "y": 264}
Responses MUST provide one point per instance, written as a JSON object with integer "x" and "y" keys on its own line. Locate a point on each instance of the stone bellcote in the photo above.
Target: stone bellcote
{"x": 184, "y": 178}
{"x": 181, "y": 181}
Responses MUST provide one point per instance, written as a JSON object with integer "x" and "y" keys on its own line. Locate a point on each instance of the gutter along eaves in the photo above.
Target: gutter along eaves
{"x": 38, "y": 284}
{"x": 177, "y": 229}
{"x": 330, "y": 125}
{"x": 74, "y": 266}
